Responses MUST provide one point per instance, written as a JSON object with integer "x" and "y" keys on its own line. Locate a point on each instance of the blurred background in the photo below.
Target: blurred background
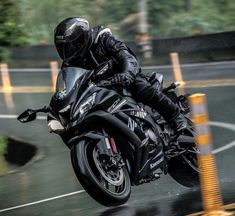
{"x": 29, "y": 22}
{"x": 36, "y": 176}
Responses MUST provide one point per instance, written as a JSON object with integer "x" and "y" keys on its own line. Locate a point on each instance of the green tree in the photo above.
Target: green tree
{"x": 115, "y": 12}
{"x": 166, "y": 18}
{"x": 11, "y": 29}
{"x": 183, "y": 18}
{"x": 42, "y": 17}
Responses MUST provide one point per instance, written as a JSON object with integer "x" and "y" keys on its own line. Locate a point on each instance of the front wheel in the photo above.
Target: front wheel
{"x": 110, "y": 187}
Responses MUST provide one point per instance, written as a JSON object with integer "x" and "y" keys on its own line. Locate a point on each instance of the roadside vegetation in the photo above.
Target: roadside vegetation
{"x": 33, "y": 22}
{"x": 12, "y": 30}
{"x": 3, "y": 145}
{"x": 3, "y": 164}
{"x": 166, "y": 18}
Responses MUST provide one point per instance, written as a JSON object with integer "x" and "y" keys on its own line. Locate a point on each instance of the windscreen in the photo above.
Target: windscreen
{"x": 67, "y": 78}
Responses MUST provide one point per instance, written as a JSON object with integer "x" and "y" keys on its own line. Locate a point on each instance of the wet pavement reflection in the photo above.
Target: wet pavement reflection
{"x": 51, "y": 173}
{"x": 130, "y": 211}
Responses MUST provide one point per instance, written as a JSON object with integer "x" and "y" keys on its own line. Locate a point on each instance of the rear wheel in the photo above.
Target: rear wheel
{"x": 110, "y": 187}
{"x": 184, "y": 168}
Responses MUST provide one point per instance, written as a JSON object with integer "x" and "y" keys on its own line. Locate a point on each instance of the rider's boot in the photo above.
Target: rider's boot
{"x": 179, "y": 123}
{"x": 155, "y": 98}
{"x": 171, "y": 113}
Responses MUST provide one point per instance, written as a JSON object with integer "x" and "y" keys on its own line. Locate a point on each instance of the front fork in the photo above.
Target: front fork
{"x": 109, "y": 154}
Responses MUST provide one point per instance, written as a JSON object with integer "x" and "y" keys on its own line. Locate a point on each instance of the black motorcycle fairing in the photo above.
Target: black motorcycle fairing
{"x": 142, "y": 116}
{"x": 135, "y": 114}
{"x": 104, "y": 100}
{"x": 150, "y": 144}
{"x": 74, "y": 114}
{"x": 107, "y": 99}
{"x": 99, "y": 119}
{"x": 91, "y": 135}
{"x": 118, "y": 128}
{"x": 110, "y": 101}
{"x": 97, "y": 137}
{"x": 115, "y": 113}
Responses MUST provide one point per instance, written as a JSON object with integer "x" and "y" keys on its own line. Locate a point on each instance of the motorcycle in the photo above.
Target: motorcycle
{"x": 115, "y": 142}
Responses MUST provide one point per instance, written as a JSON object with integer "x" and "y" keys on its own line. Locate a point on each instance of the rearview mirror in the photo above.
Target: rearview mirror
{"x": 27, "y": 116}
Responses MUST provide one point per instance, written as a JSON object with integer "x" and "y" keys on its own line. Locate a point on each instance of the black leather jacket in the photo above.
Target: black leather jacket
{"x": 105, "y": 47}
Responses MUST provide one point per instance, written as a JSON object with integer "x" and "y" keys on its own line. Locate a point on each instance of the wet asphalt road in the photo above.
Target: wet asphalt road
{"x": 51, "y": 174}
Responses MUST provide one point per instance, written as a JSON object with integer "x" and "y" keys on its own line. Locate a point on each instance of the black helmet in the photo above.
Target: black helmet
{"x": 72, "y": 38}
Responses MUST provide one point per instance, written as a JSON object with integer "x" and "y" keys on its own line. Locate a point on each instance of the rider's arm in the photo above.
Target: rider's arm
{"x": 121, "y": 53}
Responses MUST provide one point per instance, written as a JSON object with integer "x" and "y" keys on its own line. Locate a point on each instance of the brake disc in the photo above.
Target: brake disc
{"x": 119, "y": 175}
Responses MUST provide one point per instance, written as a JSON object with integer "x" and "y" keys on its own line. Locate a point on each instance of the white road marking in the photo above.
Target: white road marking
{"x": 144, "y": 67}
{"x": 42, "y": 201}
{"x": 41, "y": 117}
{"x": 223, "y": 125}
{"x": 223, "y": 148}
{"x": 187, "y": 65}
{"x": 30, "y": 70}
{"x": 229, "y": 127}
{"x": 2, "y": 116}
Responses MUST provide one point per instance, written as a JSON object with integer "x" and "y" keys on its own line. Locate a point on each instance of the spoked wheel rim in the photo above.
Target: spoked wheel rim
{"x": 113, "y": 181}
{"x": 113, "y": 177}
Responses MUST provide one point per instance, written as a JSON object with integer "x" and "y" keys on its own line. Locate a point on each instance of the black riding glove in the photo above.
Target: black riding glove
{"x": 123, "y": 78}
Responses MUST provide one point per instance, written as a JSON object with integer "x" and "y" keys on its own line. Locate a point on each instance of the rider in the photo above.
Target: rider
{"x": 79, "y": 45}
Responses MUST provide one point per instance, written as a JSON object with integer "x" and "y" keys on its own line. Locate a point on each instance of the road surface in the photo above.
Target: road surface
{"x": 48, "y": 185}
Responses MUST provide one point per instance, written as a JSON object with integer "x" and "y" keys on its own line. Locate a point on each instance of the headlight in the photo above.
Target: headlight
{"x": 87, "y": 105}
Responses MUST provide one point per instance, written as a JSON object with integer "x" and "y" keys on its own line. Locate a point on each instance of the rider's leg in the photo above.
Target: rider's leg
{"x": 145, "y": 93}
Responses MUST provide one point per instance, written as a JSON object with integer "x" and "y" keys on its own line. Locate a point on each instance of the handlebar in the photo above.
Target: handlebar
{"x": 174, "y": 85}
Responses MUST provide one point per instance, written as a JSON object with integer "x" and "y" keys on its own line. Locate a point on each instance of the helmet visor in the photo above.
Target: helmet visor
{"x": 68, "y": 49}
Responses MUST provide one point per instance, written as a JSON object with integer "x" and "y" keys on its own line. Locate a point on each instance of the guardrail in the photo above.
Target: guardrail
{"x": 8, "y": 89}
{"x": 200, "y": 48}
{"x": 49, "y": 83}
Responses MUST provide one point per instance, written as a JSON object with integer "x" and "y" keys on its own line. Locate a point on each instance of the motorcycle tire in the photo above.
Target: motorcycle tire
{"x": 184, "y": 168}
{"x": 94, "y": 179}
{"x": 183, "y": 172}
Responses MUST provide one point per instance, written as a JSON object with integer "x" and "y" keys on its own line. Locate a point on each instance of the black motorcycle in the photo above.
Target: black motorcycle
{"x": 116, "y": 142}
